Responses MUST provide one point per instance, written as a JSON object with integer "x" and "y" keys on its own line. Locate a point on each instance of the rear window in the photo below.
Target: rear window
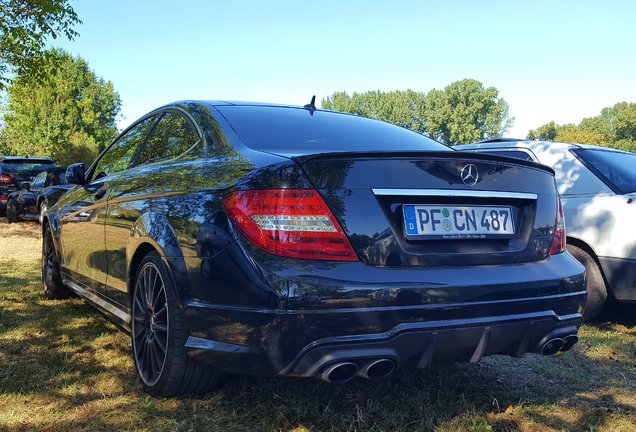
{"x": 516, "y": 154}
{"x": 26, "y": 165}
{"x": 615, "y": 168}
{"x": 300, "y": 131}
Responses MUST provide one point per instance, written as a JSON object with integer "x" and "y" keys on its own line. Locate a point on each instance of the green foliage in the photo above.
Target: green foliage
{"x": 69, "y": 115}
{"x": 464, "y": 111}
{"x": 547, "y": 132}
{"x": 25, "y": 26}
{"x": 467, "y": 112}
{"x": 614, "y": 127}
{"x": 403, "y": 108}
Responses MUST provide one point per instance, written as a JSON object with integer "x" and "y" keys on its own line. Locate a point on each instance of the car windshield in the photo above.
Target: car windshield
{"x": 301, "y": 131}
{"x": 615, "y": 168}
{"x": 26, "y": 166}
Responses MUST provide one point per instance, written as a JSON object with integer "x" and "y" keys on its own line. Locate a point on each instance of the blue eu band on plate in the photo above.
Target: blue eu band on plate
{"x": 457, "y": 222}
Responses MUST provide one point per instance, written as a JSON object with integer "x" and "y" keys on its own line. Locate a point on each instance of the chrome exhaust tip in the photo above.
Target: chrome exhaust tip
{"x": 569, "y": 341}
{"x": 376, "y": 369}
{"x": 552, "y": 346}
{"x": 339, "y": 373}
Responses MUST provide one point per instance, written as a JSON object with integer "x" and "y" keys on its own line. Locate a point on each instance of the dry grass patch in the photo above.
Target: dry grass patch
{"x": 64, "y": 367}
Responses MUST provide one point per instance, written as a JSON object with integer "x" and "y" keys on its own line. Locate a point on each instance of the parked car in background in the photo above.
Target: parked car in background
{"x": 15, "y": 170}
{"x": 33, "y": 200}
{"x": 598, "y": 190}
{"x": 291, "y": 241}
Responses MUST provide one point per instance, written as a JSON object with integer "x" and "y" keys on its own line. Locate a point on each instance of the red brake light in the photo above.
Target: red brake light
{"x": 558, "y": 241}
{"x": 5, "y": 178}
{"x": 294, "y": 223}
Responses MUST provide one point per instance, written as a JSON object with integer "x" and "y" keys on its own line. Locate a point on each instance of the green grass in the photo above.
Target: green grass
{"x": 64, "y": 367}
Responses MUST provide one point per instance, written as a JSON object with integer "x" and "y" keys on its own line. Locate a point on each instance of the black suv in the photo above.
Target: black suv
{"x": 15, "y": 170}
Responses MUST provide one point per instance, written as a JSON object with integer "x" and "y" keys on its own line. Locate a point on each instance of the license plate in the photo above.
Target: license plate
{"x": 457, "y": 222}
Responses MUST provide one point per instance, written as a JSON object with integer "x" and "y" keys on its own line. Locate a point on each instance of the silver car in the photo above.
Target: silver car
{"x": 598, "y": 190}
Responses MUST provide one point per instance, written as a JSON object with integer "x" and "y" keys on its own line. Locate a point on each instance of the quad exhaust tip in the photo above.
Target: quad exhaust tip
{"x": 555, "y": 345}
{"x": 552, "y": 346}
{"x": 370, "y": 369}
{"x": 569, "y": 342}
{"x": 340, "y": 372}
{"x": 377, "y": 369}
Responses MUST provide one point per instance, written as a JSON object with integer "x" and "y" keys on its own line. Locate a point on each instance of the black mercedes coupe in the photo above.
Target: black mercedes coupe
{"x": 290, "y": 241}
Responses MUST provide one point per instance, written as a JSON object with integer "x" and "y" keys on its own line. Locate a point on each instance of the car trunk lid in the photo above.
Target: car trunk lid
{"x": 375, "y": 195}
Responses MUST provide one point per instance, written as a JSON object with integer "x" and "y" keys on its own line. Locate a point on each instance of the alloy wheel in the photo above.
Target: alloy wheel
{"x": 150, "y": 324}
{"x": 48, "y": 260}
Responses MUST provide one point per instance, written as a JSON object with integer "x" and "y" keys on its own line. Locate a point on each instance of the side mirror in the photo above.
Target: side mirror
{"x": 26, "y": 186}
{"x": 75, "y": 174}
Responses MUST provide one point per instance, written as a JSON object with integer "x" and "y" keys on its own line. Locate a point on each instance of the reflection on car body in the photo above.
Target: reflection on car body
{"x": 269, "y": 240}
{"x": 597, "y": 186}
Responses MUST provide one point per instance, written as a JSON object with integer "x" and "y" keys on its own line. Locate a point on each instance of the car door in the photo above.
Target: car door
{"x": 83, "y": 211}
{"x": 163, "y": 167}
{"x": 27, "y": 201}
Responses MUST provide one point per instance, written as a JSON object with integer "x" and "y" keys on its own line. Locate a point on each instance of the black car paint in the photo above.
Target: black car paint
{"x": 252, "y": 312}
{"x": 19, "y": 176}
{"x": 27, "y": 202}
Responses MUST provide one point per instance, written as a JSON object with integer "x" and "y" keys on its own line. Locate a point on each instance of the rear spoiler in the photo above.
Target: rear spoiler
{"x": 401, "y": 154}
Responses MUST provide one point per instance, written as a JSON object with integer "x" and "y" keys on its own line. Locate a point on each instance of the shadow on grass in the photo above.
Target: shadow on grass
{"x": 65, "y": 367}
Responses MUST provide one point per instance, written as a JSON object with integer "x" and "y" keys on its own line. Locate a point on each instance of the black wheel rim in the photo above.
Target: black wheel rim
{"x": 150, "y": 324}
{"x": 48, "y": 260}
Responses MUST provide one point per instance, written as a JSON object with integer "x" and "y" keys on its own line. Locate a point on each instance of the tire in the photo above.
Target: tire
{"x": 12, "y": 215}
{"x": 54, "y": 289}
{"x": 594, "y": 284}
{"x": 43, "y": 208}
{"x": 159, "y": 333}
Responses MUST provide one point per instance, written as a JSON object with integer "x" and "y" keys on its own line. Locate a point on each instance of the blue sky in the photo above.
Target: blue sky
{"x": 550, "y": 60}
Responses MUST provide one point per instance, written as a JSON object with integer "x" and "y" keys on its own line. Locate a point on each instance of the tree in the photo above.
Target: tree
{"x": 576, "y": 134}
{"x": 403, "y": 108}
{"x": 24, "y": 28}
{"x": 464, "y": 111}
{"x": 614, "y": 127}
{"x": 68, "y": 115}
{"x": 546, "y": 132}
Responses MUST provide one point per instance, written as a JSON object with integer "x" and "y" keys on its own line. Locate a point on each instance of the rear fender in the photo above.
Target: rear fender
{"x": 153, "y": 229}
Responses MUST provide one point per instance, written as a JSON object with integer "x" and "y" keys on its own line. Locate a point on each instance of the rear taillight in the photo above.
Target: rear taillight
{"x": 558, "y": 241}
{"x": 294, "y": 223}
{"x": 5, "y": 178}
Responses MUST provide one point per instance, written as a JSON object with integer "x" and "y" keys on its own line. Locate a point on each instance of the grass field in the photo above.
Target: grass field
{"x": 63, "y": 367}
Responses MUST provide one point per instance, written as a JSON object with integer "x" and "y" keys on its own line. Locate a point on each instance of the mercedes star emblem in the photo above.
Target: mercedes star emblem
{"x": 470, "y": 175}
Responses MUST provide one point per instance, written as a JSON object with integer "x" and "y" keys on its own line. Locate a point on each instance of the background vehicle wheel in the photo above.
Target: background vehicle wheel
{"x": 43, "y": 209}
{"x": 12, "y": 215}
{"x": 159, "y": 334}
{"x": 54, "y": 289}
{"x": 595, "y": 284}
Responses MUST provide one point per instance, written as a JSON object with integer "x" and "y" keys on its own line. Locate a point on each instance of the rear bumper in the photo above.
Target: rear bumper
{"x": 621, "y": 277}
{"x": 464, "y": 322}
{"x": 417, "y": 345}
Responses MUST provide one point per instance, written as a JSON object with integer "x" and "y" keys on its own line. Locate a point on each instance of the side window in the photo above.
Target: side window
{"x": 38, "y": 181}
{"x": 119, "y": 156}
{"x": 173, "y": 137}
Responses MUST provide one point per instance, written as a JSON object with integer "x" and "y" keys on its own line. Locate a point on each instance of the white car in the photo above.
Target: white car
{"x": 598, "y": 191}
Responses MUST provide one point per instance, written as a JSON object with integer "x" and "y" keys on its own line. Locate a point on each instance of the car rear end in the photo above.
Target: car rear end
{"x": 392, "y": 258}
{"x": 14, "y": 171}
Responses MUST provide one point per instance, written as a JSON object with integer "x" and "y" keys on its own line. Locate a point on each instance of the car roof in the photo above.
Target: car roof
{"x": 534, "y": 145}
{"x": 531, "y": 144}
{"x": 36, "y": 159}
